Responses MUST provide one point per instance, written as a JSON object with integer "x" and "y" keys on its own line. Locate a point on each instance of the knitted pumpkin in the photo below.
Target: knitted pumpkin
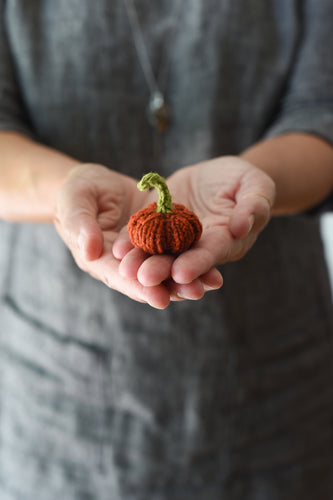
{"x": 163, "y": 227}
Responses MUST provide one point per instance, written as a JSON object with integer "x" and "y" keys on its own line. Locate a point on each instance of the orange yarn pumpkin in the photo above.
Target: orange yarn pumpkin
{"x": 163, "y": 227}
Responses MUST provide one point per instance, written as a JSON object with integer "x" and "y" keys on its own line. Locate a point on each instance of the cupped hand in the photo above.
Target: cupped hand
{"x": 93, "y": 206}
{"x": 233, "y": 200}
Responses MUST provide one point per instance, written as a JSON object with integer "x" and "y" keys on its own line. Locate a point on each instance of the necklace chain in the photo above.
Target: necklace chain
{"x": 140, "y": 46}
{"x": 158, "y": 110}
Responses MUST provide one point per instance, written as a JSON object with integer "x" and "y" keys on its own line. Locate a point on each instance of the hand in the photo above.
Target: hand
{"x": 233, "y": 200}
{"x": 93, "y": 205}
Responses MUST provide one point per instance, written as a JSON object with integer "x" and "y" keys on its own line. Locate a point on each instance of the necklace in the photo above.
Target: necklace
{"x": 158, "y": 110}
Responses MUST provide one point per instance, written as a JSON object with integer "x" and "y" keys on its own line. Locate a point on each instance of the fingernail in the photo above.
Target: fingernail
{"x": 184, "y": 297}
{"x": 251, "y": 222}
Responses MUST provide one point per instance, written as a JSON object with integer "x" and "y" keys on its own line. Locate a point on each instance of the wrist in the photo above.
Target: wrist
{"x": 30, "y": 176}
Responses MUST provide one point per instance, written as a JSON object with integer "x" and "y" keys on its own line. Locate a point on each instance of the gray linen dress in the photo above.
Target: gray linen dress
{"x": 231, "y": 397}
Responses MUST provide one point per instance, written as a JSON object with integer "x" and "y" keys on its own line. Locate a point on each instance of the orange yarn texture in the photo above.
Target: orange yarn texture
{"x": 157, "y": 233}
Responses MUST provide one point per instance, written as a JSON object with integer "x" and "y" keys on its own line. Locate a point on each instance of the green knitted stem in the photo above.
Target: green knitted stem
{"x": 164, "y": 204}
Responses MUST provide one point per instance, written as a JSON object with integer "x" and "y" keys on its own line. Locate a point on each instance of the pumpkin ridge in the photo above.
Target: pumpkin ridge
{"x": 163, "y": 227}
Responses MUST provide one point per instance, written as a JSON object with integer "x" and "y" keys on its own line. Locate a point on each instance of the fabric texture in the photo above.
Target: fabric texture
{"x": 160, "y": 233}
{"x": 103, "y": 398}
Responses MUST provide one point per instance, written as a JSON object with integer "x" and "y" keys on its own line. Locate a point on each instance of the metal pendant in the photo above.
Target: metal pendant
{"x": 158, "y": 112}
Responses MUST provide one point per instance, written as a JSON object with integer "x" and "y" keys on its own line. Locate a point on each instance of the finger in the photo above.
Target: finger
{"x": 193, "y": 291}
{"x": 76, "y": 221}
{"x": 190, "y": 291}
{"x": 251, "y": 213}
{"x": 212, "y": 280}
{"x": 149, "y": 270}
{"x": 215, "y": 247}
{"x": 155, "y": 269}
{"x": 90, "y": 238}
{"x": 254, "y": 200}
{"x": 122, "y": 244}
{"x": 131, "y": 262}
{"x": 157, "y": 297}
{"x": 81, "y": 233}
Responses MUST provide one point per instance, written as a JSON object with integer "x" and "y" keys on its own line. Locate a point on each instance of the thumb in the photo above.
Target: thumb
{"x": 254, "y": 202}
{"x": 76, "y": 220}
